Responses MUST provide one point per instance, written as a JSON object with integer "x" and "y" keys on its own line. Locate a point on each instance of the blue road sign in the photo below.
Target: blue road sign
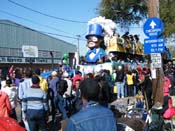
{"x": 153, "y": 27}
{"x": 154, "y": 45}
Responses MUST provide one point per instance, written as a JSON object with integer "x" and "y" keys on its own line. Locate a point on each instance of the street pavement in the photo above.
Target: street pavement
{"x": 52, "y": 127}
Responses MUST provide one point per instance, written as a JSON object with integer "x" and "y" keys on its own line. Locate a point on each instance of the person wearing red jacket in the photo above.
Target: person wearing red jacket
{"x": 76, "y": 77}
{"x": 10, "y": 124}
{"x": 5, "y": 106}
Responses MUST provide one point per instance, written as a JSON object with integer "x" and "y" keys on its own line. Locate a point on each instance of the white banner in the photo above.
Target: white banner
{"x": 30, "y": 51}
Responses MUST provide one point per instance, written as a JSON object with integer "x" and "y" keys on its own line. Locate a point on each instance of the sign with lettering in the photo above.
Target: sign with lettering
{"x": 153, "y": 27}
{"x": 30, "y": 51}
{"x": 154, "y": 45}
{"x": 23, "y": 60}
{"x": 156, "y": 60}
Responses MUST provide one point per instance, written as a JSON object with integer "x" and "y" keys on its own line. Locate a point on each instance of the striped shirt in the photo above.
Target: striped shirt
{"x": 34, "y": 98}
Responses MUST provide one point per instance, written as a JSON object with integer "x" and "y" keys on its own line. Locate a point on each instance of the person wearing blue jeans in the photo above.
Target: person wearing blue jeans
{"x": 120, "y": 89}
{"x": 35, "y": 106}
{"x": 59, "y": 103}
{"x": 119, "y": 81}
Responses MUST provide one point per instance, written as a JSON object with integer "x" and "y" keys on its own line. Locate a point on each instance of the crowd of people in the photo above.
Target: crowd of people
{"x": 82, "y": 100}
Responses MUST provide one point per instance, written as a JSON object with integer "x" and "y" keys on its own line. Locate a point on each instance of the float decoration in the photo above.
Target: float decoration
{"x": 65, "y": 59}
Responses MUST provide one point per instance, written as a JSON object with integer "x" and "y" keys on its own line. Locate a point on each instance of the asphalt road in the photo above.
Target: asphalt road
{"x": 52, "y": 127}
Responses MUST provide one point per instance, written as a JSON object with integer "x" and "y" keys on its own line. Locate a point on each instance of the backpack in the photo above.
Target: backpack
{"x": 62, "y": 86}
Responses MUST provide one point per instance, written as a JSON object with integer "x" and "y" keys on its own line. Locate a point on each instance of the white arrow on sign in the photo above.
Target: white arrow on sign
{"x": 153, "y": 24}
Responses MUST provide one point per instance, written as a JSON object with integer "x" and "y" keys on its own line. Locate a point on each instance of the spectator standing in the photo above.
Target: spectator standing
{"x": 43, "y": 82}
{"x": 35, "y": 107}
{"x": 130, "y": 83}
{"x": 92, "y": 116}
{"x": 11, "y": 91}
{"x": 22, "y": 90}
{"x": 3, "y": 80}
{"x": 25, "y": 84}
{"x": 119, "y": 81}
{"x": 77, "y": 102}
{"x": 5, "y": 107}
{"x": 69, "y": 83}
{"x": 56, "y": 98}
{"x": 76, "y": 77}
{"x": 17, "y": 77}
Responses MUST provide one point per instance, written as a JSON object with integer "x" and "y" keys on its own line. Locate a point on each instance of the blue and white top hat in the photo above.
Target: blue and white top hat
{"x": 95, "y": 30}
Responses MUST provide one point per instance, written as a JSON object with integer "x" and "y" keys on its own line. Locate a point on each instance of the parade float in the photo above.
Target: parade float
{"x": 105, "y": 46}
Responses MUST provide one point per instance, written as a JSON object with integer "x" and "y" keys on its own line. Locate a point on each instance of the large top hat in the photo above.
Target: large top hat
{"x": 95, "y": 30}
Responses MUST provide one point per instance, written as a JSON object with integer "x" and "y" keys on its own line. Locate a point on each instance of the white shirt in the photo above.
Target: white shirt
{"x": 12, "y": 94}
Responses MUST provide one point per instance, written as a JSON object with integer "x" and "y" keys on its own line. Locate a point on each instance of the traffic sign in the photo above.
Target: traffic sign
{"x": 154, "y": 45}
{"x": 156, "y": 60}
{"x": 153, "y": 27}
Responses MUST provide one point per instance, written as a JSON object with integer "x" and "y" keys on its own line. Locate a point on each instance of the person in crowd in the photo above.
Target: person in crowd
{"x": 92, "y": 116}
{"x": 3, "y": 80}
{"x": 43, "y": 82}
{"x": 139, "y": 100}
{"x": 119, "y": 81}
{"x": 76, "y": 77}
{"x": 56, "y": 98}
{"x": 147, "y": 88}
{"x": 11, "y": 91}
{"x": 69, "y": 83}
{"x": 22, "y": 90}
{"x": 53, "y": 94}
{"x": 135, "y": 80}
{"x": 77, "y": 102}
{"x": 10, "y": 124}
{"x": 35, "y": 107}
{"x": 141, "y": 78}
{"x": 169, "y": 74}
{"x": 168, "y": 111}
{"x": 25, "y": 84}
{"x": 130, "y": 83}
{"x": 5, "y": 108}
{"x": 105, "y": 94}
{"x": 17, "y": 77}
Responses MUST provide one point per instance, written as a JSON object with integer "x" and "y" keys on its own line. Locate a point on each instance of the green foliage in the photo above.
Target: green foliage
{"x": 123, "y": 11}
{"x": 127, "y": 12}
{"x": 167, "y": 14}
{"x": 172, "y": 50}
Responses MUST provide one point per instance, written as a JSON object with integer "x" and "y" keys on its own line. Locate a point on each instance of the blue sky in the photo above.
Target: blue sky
{"x": 76, "y": 10}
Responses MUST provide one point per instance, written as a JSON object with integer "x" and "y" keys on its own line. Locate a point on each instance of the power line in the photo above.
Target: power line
{"x": 20, "y": 26}
{"x": 34, "y": 22}
{"x": 62, "y": 35}
{"x": 41, "y": 13}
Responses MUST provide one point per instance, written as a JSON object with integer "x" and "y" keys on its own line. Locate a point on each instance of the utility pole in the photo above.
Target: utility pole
{"x": 157, "y": 83}
{"x": 78, "y": 48}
